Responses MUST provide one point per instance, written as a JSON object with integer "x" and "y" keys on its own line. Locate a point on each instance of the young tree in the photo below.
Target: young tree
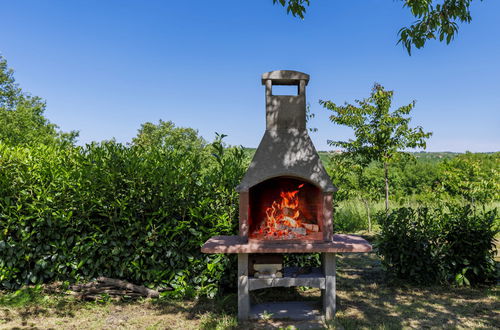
{"x": 21, "y": 115}
{"x": 433, "y": 18}
{"x": 381, "y": 135}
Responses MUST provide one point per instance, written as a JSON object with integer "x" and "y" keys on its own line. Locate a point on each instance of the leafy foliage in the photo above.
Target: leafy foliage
{"x": 21, "y": 115}
{"x": 165, "y": 134}
{"x": 473, "y": 177}
{"x": 380, "y": 134}
{"x": 433, "y": 17}
{"x": 295, "y": 7}
{"x": 453, "y": 244}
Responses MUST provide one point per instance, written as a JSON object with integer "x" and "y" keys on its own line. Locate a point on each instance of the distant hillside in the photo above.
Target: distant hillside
{"x": 421, "y": 155}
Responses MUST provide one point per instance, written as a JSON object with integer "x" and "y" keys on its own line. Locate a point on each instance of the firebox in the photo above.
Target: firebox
{"x": 285, "y": 208}
{"x": 286, "y": 194}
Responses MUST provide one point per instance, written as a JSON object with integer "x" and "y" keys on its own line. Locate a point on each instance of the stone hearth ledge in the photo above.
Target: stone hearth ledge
{"x": 239, "y": 244}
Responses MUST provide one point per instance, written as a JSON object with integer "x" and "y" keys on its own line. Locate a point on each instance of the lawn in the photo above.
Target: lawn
{"x": 366, "y": 299}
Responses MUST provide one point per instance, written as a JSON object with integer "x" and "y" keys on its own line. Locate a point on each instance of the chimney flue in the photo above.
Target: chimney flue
{"x": 285, "y": 111}
{"x": 286, "y": 150}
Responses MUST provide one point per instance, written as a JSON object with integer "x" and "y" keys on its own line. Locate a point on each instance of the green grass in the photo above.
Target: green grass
{"x": 23, "y": 297}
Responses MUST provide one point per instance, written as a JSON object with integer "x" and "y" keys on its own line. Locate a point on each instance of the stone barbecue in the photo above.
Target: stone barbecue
{"x": 286, "y": 206}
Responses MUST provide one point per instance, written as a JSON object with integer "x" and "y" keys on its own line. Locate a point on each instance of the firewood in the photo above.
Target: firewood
{"x": 267, "y": 268}
{"x": 111, "y": 287}
{"x": 96, "y": 298}
{"x": 291, "y": 221}
{"x": 268, "y": 275}
{"x": 311, "y": 227}
{"x": 163, "y": 289}
{"x": 108, "y": 291}
{"x": 79, "y": 287}
{"x": 126, "y": 285}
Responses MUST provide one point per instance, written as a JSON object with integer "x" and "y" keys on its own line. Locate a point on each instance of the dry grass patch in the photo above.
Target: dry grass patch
{"x": 65, "y": 312}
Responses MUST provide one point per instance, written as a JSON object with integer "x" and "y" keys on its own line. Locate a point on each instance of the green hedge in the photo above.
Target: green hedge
{"x": 134, "y": 212}
{"x": 453, "y": 244}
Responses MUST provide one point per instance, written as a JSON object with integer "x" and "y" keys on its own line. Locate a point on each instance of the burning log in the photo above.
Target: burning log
{"x": 311, "y": 227}
{"x": 288, "y": 212}
{"x": 291, "y": 222}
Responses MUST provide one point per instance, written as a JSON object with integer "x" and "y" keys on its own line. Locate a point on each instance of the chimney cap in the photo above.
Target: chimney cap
{"x": 285, "y": 77}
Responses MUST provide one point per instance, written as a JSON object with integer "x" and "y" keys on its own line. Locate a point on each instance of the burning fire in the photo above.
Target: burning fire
{"x": 284, "y": 220}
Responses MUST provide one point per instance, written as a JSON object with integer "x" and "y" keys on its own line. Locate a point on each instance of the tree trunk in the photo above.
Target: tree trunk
{"x": 367, "y": 206}
{"x": 386, "y": 176}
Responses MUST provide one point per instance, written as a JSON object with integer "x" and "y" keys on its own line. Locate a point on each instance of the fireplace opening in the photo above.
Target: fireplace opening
{"x": 285, "y": 208}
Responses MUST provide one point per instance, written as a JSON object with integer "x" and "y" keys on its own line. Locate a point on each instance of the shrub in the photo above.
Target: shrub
{"x": 451, "y": 244}
{"x": 133, "y": 212}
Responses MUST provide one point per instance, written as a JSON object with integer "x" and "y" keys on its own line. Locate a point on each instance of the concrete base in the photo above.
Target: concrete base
{"x": 293, "y": 310}
{"x": 315, "y": 279}
{"x": 296, "y": 310}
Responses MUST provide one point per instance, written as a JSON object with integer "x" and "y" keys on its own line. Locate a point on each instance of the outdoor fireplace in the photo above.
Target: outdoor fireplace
{"x": 286, "y": 194}
{"x": 285, "y": 206}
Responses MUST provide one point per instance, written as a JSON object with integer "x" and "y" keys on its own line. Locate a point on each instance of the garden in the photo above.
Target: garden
{"x": 141, "y": 212}
{"x": 75, "y": 217}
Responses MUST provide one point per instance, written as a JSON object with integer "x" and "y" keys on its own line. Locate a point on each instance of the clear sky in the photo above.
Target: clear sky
{"x": 106, "y": 67}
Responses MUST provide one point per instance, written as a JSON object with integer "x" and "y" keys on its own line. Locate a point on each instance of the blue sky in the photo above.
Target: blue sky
{"x": 106, "y": 67}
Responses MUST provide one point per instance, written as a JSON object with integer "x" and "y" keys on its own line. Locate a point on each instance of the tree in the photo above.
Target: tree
{"x": 381, "y": 135}
{"x": 21, "y": 115}
{"x": 474, "y": 177}
{"x": 434, "y": 17}
{"x": 166, "y": 135}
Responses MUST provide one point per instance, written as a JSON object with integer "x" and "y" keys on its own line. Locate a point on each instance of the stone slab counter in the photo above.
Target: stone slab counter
{"x": 341, "y": 243}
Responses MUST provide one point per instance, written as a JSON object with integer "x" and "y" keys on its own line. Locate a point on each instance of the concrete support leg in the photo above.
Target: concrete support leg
{"x": 243, "y": 295}
{"x": 328, "y": 295}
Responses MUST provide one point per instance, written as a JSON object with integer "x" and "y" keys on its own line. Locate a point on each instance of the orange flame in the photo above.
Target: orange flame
{"x": 283, "y": 216}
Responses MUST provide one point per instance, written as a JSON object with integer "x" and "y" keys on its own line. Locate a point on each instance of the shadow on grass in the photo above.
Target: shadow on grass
{"x": 217, "y": 313}
{"x": 366, "y": 298}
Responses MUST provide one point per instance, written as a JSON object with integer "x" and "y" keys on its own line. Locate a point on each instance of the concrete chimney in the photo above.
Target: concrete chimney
{"x": 285, "y": 111}
{"x": 286, "y": 148}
